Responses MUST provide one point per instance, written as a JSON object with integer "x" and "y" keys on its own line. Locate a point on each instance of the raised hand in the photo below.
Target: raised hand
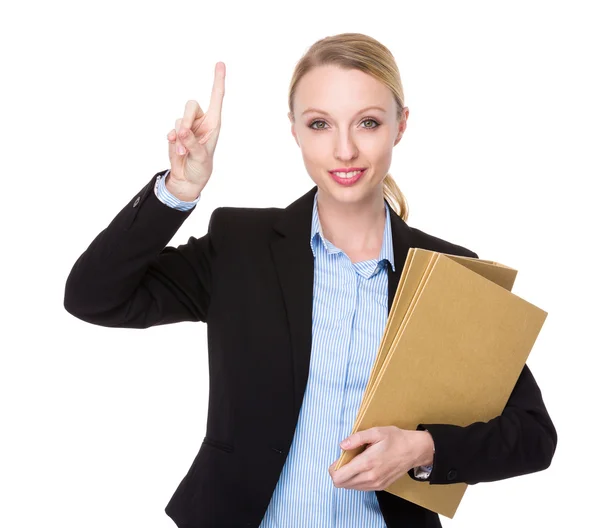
{"x": 193, "y": 141}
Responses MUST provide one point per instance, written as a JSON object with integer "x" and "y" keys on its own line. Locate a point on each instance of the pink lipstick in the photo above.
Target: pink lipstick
{"x": 348, "y": 180}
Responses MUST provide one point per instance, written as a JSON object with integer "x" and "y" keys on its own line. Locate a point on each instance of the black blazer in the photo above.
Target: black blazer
{"x": 250, "y": 278}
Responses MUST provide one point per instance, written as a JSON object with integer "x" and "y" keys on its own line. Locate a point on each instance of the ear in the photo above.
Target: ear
{"x": 402, "y": 125}
{"x": 291, "y": 118}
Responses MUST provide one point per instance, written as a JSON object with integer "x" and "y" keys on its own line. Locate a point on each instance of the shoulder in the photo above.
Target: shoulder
{"x": 423, "y": 240}
{"x": 242, "y": 222}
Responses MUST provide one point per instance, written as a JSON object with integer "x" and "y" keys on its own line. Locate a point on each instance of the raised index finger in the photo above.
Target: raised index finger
{"x": 218, "y": 91}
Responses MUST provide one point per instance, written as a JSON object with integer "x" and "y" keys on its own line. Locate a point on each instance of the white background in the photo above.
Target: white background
{"x": 500, "y": 155}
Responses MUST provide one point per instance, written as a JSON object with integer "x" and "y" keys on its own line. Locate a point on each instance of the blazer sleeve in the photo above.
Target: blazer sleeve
{"x": 521, "y": 440}
{"x": 127, "y": 278}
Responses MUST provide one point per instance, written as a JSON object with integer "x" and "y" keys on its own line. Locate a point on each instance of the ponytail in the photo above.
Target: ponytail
{"x": 394, "y": 196}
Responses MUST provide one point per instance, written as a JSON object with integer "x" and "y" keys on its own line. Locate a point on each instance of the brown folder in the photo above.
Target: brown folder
{"x": 453, "y": 348}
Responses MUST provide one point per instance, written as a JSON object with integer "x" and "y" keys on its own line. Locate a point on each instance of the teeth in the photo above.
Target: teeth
{"x": 347, "y": 174}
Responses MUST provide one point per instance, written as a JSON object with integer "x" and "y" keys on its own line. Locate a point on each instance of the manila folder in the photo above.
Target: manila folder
{"x": 455, "y": 360}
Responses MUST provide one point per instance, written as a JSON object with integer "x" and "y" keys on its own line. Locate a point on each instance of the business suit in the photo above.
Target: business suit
{"x": 259, "y": 340}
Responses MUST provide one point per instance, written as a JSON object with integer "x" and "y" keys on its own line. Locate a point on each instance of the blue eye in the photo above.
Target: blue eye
{"x": 363, "y": 121}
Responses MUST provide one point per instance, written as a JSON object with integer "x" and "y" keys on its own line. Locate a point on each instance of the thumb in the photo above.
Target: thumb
{"x": 359, "y": 438}
{"x": 350, "y": 443}
{"x": 193, "y": 146}
{"x": 175, "y": 159}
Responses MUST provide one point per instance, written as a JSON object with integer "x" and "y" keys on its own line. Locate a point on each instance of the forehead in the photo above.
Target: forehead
{"x": 335, "y": 89}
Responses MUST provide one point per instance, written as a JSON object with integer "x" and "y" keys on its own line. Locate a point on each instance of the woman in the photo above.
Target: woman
{"x": 295, "y": 302}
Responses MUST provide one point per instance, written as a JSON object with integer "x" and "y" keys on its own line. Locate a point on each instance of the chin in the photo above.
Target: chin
{"x": 351, "y": 195}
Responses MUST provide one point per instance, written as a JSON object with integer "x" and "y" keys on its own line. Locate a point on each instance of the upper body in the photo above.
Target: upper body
{"x": 259, "y": 372}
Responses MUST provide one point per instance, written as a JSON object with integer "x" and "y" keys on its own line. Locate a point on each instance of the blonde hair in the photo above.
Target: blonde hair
{"x": 364, "y": 53}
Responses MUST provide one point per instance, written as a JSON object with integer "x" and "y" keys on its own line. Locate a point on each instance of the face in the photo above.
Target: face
{"x": 334, "y": 132}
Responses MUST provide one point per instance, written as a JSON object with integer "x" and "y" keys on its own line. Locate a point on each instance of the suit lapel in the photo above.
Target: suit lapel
{"x": 402, "y": 240}
{"x": 294, "y": 262}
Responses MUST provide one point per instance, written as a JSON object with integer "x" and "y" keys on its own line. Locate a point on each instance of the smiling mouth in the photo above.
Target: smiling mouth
{"x": 347, "y": 178}
{"x": 347, "y": 175}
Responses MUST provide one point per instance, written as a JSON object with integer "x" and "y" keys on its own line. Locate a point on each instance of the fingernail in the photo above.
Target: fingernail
{"x": 180, "y": 149}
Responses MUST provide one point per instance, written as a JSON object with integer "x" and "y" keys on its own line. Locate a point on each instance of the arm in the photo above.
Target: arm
{"x": 128, "y": 278}
{"x": 521, "y": 440}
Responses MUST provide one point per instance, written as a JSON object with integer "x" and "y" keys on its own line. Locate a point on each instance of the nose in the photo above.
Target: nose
{"x": 345, "y": 147}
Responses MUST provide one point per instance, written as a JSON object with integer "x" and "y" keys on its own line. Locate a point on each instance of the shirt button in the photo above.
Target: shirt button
{"x": 451, "y": 474}
{"x": 137, "y": 201}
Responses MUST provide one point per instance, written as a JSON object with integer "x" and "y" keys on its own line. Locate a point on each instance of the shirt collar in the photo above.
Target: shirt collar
{"x": 387, "y": 249}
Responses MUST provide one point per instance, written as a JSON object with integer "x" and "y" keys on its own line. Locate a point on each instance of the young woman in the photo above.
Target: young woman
{"x": 296, "y": 301}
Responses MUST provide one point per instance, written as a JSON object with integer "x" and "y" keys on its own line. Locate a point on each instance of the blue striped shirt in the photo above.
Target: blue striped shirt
{"x": 350, "y": 310}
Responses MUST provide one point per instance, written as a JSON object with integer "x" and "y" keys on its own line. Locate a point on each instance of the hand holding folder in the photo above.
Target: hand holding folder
{"x": 456, "y": 320}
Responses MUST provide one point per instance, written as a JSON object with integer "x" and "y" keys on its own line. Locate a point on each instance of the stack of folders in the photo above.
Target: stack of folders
{"x": 454, "y": 345}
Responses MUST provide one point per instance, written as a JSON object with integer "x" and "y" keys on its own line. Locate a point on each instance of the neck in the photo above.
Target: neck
{"x": 356, "y": 227}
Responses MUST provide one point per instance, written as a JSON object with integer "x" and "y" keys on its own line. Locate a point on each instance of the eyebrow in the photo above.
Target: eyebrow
{"x": 359, "y": 112}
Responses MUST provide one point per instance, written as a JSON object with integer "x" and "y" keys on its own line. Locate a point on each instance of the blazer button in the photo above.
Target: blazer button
{"x": 137, "y": 201}
{"x": 451, "y": 474}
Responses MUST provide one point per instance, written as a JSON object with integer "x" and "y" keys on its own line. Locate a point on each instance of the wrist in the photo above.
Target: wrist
{"x": 425, "y": 449}
{"x": 182, "y": 190}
